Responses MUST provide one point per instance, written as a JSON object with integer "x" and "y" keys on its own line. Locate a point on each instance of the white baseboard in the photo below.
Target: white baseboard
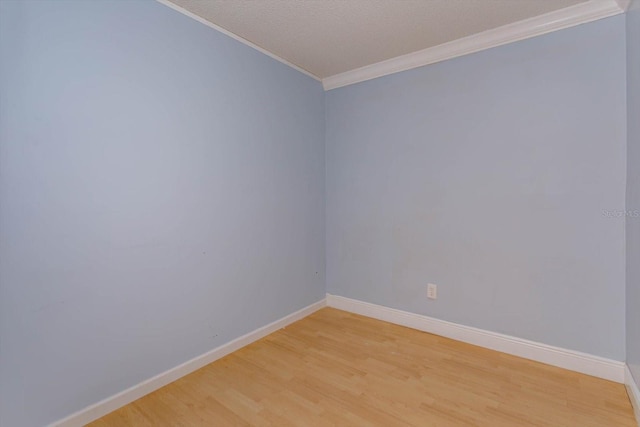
{"x": 110, "y": 404}
{"x": 633, "y": 391}
{"x": 568, "y": 359}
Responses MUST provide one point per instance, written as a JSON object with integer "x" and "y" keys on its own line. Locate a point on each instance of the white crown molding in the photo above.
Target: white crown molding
{"x": 557, "y": 20}
{"x": 633, "y": 392}
{"x": 110, "y": 404}
{"x": 568, "y": 359}
{"x": 236, "y": 37}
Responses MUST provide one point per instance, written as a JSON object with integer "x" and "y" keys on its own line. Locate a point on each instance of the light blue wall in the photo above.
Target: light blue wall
{"x": 633, "y": 190}
{"x": 489, "y": 175}
{"x": 162, "y": 193}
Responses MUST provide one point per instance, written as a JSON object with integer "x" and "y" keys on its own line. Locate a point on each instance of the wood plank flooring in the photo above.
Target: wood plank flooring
{"x": 339, "y": 369}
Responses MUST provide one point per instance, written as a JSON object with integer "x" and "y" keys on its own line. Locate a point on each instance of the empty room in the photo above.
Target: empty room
{"x": 320, "y": 213}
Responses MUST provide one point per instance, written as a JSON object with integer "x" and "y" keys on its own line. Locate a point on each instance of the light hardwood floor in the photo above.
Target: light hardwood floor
{"x": 339, "y": 369}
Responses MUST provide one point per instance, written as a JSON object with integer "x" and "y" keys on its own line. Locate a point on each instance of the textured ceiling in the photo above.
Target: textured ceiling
{"x": 327, "y": 37}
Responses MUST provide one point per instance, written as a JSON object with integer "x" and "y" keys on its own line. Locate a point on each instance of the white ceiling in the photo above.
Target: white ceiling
{"x": 328, "y": 37}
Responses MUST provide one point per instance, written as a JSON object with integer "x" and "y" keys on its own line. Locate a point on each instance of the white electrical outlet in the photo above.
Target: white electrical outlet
{"x": 432, "y": 291}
